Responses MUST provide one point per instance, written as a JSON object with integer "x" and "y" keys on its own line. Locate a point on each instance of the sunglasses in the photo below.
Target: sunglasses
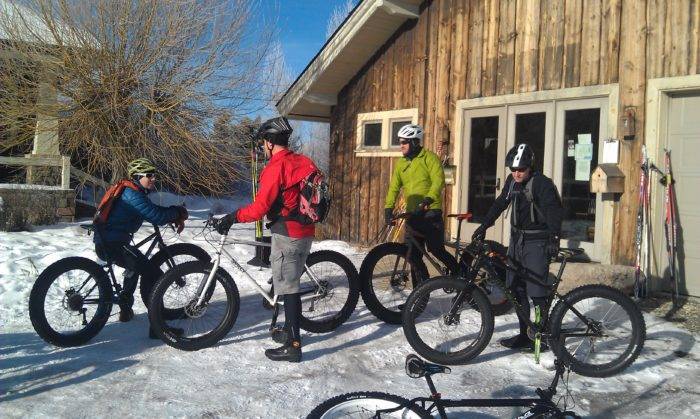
{"x": 404, "y": 142}
{"x": 518, "y": 169}
{"x": 148, "y": 175}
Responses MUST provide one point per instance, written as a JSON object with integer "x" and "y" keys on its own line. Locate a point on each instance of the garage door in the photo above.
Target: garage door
{"x": 684, "y": 141}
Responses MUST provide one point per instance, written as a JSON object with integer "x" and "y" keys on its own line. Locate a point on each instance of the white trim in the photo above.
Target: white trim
{"x": 386, "y": 118}
{"x": 611, "y": 91}
{"x": 655, "y": 138}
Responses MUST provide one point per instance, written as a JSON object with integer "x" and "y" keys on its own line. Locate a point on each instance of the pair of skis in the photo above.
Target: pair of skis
{"x": 643, "y": 232}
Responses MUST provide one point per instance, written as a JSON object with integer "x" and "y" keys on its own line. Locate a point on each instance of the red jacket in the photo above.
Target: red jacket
{"x": 279, "y": 194}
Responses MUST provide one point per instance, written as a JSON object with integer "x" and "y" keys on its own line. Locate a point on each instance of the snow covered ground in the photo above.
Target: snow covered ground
{"x": 121, "y": 373}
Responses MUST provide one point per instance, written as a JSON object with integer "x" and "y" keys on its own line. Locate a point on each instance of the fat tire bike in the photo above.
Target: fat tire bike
{"x": 372, "y": 404}
{"x": 387, "y": 276}
{"x": 72, "y": 298}
{"x": 595, "y": 330}
{"x": 209, "y": 299}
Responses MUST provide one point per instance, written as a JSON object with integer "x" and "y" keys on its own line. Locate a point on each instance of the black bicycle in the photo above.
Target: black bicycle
{"x": 72, "y": 298}
{"x": 595, "y": 330}
{"x": 371, "y": 404}
{"x": 387, "y": 276}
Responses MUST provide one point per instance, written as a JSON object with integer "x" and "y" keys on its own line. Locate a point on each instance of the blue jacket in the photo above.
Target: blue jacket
{"x": 127, "y": 215}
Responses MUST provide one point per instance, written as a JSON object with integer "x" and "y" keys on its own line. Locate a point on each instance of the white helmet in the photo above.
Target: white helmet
{"x": 411, "y": 132}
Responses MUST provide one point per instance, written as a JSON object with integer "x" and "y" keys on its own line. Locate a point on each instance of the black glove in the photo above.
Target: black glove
{"x": 480, "y": 233}
{"x": 552, "y": 247}
{"x": 388, "y": 216}
{"x": 224, "y": 224}
{"x": 425, "y": 204}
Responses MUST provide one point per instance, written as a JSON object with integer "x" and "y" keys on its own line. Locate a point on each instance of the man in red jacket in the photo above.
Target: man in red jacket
{"x": 278, "y": 199}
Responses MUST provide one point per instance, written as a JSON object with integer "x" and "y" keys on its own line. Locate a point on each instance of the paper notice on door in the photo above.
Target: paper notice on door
{"x": 570, "y": 148}
{"x": 584, "y": 152}
{"x": 611, "y": 148}
{"x": 584, "y": 138}
{"x": 583, "y": 170}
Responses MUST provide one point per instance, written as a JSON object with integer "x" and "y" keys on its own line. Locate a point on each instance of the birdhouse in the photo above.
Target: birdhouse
{"x": 607, "y": 178}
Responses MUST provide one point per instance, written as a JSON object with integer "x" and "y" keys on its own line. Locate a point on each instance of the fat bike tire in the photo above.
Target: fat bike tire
{"x": 614, "y": 348}
{"x": 364, "y": 404}
{"x": 59, "y": 295}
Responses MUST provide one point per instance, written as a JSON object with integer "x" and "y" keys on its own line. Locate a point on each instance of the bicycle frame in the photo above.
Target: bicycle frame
{"x": 436, "y": 402}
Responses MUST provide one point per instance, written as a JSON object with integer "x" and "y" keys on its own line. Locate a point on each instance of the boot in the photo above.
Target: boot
{"x": 291, "y": 353}
{"x": 519, "y": 341}
{"x": 126, "y": 313}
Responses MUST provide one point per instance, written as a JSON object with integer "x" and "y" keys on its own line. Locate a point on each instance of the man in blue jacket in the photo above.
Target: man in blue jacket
{"x": 113, "y": 236}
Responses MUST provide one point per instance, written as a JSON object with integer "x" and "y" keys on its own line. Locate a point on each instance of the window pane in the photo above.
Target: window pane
{"x": 395, "y": 127}
{"x": 581, "y": 127}
{"x": 483, "y": 162}
{"x": 530, "y": 129}
{"x": 373, "y": 135}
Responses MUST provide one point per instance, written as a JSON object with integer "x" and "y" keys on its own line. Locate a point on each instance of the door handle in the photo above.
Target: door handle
{"x": 498, "y": 183}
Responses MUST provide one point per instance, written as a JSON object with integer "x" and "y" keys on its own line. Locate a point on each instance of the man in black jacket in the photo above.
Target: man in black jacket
{"x": 535, "y": 228}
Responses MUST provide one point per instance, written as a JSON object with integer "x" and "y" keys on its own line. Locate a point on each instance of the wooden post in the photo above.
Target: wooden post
{"x": 65, "y": 172}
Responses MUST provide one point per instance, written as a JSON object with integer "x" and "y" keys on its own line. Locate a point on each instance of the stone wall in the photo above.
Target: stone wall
{"x": 24, "y": 205}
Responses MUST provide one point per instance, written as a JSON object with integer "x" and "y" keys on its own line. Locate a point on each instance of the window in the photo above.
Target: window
{"x": 377, "y": 131}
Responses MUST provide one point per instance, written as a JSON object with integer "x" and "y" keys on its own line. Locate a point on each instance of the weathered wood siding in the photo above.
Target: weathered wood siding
{"x": 461, "y": 49}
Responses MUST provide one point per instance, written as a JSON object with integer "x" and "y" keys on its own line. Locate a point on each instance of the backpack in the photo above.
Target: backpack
{"x": 314, "y": 199}
{"x": 526, "y": 192}
{"x": 108, "y": 199}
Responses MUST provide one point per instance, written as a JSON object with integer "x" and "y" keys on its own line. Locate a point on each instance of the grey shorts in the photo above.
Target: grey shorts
{"x": 287, "y": 257}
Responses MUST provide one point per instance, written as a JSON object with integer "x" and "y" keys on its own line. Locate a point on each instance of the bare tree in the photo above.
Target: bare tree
{"x": 338, "y": 15}
{"x": 136, "y": 78}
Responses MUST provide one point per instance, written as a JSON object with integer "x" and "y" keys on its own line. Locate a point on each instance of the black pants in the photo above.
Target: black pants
{"x": 135, "y": 263}
{"x": 532, "y": 254}
{"x": 429, "y": 230}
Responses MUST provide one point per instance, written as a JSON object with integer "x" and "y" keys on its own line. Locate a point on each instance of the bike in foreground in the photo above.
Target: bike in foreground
{"x": 370, "y": 404}
{"x": 209, "y": 299}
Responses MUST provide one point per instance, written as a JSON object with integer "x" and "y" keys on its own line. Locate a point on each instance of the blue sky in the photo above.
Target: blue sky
{"x": 302, "y": 27}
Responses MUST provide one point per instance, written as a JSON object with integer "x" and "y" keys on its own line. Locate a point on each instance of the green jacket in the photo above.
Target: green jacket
{"x": 420, "y": 176}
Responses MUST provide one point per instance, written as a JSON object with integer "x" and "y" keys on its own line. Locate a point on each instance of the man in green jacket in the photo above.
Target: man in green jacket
{"x": 419, "y": 172}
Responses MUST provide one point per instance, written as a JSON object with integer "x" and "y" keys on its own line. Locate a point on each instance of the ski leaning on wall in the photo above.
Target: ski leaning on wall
{"x": 643, "y": 229}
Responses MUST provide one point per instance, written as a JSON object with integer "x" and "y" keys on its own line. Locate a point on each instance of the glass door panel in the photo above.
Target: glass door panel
{"x": 483, "y": 156}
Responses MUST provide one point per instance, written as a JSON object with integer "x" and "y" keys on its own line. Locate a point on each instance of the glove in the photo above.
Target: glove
{"x": 552, "y": 248}
{"x": 479, "y": 233}
{"x": 182, "y": 215}
{"x": 224, "y": 224}
{"x": 388, "y": 216}
{"x": 425, "y": 204}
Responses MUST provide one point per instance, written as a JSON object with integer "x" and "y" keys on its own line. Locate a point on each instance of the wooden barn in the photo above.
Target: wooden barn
{"x": 586, "y": 83}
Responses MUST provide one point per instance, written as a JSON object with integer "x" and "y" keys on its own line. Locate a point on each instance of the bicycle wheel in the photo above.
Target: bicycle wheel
{"x": 329, "y": 291}
{"x": 609, "y": 340}
{"x": 364, "y": 404}
{"x": 202, "y": 325}
{"x": 70, "y": 302}
{"x": 171, "y": 256}
{"x": 386, "y": 280}
{"x": 448, "y": 321}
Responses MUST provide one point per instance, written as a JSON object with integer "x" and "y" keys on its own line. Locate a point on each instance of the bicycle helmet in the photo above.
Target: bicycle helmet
{"x": 275, "y": 130}
{"x": 520, "y": 156}
{"x": 142, "y": 165}
{"x": 411, "y": 132}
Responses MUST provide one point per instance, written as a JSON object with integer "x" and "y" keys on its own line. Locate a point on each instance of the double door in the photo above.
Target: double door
{"x": 565, "y": 136}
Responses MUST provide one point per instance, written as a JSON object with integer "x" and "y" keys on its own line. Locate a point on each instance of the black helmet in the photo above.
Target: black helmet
{"x": 520, "y": 156}
{"x": 275, "y": 130}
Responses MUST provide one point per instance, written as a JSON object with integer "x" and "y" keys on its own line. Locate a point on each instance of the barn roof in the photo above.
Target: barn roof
{"x": 364, "y": 31}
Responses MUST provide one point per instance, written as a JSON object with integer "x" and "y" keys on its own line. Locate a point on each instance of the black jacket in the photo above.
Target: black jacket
{"x": 548, "y": 211}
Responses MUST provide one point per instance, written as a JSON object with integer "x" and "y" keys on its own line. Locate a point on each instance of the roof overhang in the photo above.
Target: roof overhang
{"x": 363, "y": 32}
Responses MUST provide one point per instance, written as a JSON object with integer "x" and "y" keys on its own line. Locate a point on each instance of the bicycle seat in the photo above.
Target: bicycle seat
{"x": 464, "y": 216}
{"x": 416, "y": 367}
{"x": 568, "y": 252}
